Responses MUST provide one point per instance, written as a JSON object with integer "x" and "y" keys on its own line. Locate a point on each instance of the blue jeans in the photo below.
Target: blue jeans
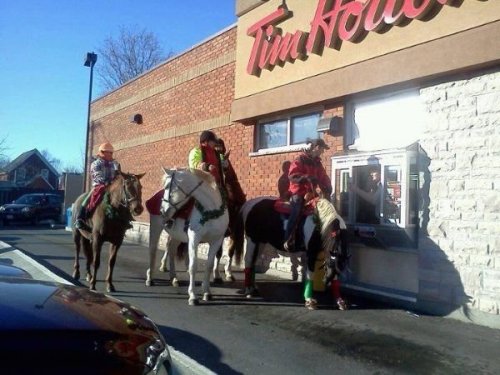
{"x": 297, "y": 203}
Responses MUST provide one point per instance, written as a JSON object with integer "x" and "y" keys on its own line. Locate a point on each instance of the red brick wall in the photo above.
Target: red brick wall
{"x": 194, "y": 102}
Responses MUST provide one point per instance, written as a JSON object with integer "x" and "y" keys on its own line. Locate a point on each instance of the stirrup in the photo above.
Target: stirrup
{"x": 289, "y": 245}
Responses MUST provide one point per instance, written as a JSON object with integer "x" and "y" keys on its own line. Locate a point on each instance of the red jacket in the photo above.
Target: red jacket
{"x": 306, "y": 173}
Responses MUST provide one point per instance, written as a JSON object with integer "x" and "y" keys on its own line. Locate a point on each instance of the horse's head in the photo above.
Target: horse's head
{"x": 131, "y": 192}
{"x": 180, "y": 185}
{"x": 334, "y": 238}
{"x": 337, "y": 254}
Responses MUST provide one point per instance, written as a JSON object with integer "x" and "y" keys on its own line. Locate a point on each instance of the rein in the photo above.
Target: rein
{"x": 125, "y": 201}
{"x": 188, "y": 195}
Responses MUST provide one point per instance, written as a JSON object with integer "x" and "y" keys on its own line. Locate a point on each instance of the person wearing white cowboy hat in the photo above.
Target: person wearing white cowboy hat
{"x": 102, "y": 171}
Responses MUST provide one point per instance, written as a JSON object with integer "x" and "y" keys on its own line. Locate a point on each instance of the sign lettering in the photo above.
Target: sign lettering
{"x": 334, "y": 22}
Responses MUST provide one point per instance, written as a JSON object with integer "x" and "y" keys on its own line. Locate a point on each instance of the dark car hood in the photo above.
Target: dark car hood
{"x": 34, "y": 304}
{"x": 45, "y": 324}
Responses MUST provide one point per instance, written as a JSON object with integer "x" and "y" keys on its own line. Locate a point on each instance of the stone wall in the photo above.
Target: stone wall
{"x": 459, "y": 252}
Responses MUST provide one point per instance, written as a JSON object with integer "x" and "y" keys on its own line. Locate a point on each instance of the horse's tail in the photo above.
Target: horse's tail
{"x": 237, "y": 238}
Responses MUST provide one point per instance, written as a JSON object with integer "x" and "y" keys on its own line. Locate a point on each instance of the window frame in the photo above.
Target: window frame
{"x": 288, "y": 117}
{"x": 403, "y": 158}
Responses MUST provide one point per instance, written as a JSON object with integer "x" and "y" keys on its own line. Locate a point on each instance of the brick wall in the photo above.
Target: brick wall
{"x": 459, "y": 258}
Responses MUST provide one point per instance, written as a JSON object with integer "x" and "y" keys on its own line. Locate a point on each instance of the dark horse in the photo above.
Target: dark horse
{"x": 322, "y": 230}
{"x": 109, "y": 222}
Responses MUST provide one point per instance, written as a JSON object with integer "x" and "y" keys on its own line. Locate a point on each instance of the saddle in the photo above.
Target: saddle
{"x": 284, "y": 207}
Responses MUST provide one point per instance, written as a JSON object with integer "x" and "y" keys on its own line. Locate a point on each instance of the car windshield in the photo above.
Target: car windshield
{"x": 29, "y": 199}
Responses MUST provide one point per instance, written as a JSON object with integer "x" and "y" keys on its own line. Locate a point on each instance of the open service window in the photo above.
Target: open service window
{"x": 377, "y": 194}
{"x": 376, "y": 180}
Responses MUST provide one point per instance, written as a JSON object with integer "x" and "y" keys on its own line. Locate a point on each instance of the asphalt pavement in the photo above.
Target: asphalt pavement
{"x": 372, "y": 333}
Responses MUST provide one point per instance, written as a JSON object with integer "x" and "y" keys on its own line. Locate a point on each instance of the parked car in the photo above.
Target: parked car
{"x": 51, "y": 328}
{"x": 32, "y": 208}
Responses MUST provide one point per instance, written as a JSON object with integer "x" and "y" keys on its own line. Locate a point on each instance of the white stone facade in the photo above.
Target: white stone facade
{"x": 459, "y": 251}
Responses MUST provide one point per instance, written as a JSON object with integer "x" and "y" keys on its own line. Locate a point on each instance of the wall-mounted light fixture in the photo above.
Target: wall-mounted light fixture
{"x": 330, "y": 125}
{"x": 136, "y": 119}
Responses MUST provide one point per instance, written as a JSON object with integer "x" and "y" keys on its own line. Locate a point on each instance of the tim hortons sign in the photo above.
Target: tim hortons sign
{"x": 334, "y": 21}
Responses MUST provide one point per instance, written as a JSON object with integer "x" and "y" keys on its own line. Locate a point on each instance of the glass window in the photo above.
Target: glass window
{"x": 21, "y": 174}
{"x": 287, "y": 131}
{"x": 378, "y": 194}
{"x": 376, "y": 124}
{"x": 303, "y": 127}
{"x": 392, "y": 197}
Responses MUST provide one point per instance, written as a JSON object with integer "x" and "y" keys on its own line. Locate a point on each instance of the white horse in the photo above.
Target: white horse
{"x": 207, "y": 222}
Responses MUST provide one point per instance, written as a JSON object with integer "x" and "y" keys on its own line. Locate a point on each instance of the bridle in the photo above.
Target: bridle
{"x": 178, "y": 205}
{"x": 126, "y": 198}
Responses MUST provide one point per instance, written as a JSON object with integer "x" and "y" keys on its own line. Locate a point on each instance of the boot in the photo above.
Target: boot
{"x": 80, "y": 222}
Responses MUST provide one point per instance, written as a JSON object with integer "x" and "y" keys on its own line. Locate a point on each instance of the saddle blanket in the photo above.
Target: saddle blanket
{"x": 153, "y": 205}
{"x": 284, "y": 207}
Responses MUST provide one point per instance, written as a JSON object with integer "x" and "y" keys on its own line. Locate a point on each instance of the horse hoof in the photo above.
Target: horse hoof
{"x": 92, "y": 288}
{"x": 110, "y": 289}
{"x": 88, "y": 278}
{"x": 312, "y": 304}
{"x": 230, "y": 278}
{"x": 218, "y": 281}
{"x": 207, "y": 297}
{"x": 341, "y": 304}
{"x": 175, "y": 282}
{"x": 251, "y": 292}
{"x": 150, "y": 283}
{"x": 193, "y": 302}
{"x": 76, "y": 275}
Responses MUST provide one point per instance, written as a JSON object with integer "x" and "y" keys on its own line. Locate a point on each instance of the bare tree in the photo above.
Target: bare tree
{"x": 128, "y": 55}
{"x": 53, "y": 161}
{"x": 4, "y": 159}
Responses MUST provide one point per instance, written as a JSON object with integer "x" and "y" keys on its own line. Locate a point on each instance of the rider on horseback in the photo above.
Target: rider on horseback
{"x": 306, "y": 174}
{"x": 205, "y": 157}
{"x": 103, "y": 171}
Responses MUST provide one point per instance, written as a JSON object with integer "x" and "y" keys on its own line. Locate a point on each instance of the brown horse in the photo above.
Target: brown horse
{"x": 109, "y": 222}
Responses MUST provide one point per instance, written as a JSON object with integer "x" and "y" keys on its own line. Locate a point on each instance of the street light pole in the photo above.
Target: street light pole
{"x": 90, "y": 61}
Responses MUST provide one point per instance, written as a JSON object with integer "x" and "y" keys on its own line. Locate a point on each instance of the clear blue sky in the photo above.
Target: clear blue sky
{"x": 44, "y": 85}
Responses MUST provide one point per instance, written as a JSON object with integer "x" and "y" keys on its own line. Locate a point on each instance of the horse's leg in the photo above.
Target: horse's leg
{"x": 227, "y": 268}
{"x": 217, "y": 276}
{"x": 155, "y": 228}
{"x": 193, "y": 265}
{"x": 171, "y": 251}
{"x": 215, "y": 247}
{"x": 335, "y": 289}
{"x": 89, "y": 257}
{"x": 294, "y": 259}
{"x": 250, "y": 258}
{"x": 76, "y": 265}
{"x": 96, "y": 252}
{"x": 113, "y": 252}
{"x": 310, "y": 302}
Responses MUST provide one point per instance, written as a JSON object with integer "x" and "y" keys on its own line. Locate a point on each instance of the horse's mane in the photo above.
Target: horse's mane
{"x": 202, "y": 175}
{"x": 327, "y": 214}
{"x": 205, "y": 176}
{"x": 115, "y": 189}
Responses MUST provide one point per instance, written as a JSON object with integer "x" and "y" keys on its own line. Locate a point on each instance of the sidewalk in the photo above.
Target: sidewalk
{"x": 11, "y": 256}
